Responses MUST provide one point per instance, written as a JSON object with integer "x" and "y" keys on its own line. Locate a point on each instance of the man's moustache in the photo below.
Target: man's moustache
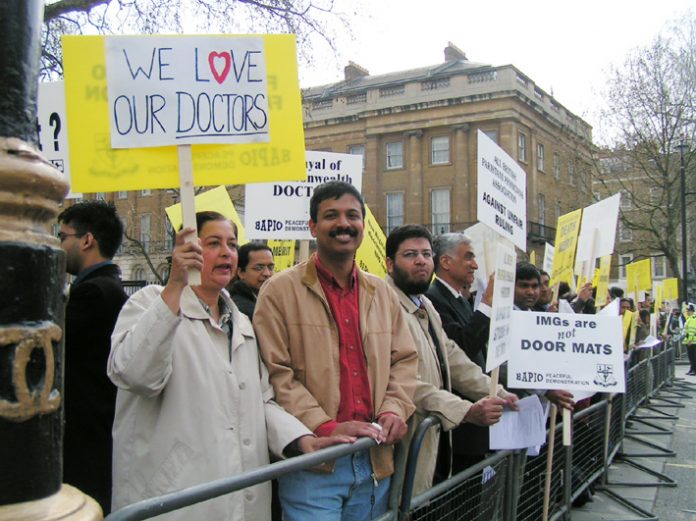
{"x": 341, "y": 231}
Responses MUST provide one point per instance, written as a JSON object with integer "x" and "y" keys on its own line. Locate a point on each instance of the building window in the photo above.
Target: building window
{"x": 556, "y": 166}
{"x": 395, "y": 210}
{"x": 493, "y": 134}
{"x": 163, "y": 272}
{"x": 659, "y": 266}
{"x": 625, "y": 200}
{"x": 558, "y": 212}
{"x": 571, "y": 173}
{"x": 440, "y": 150}
{"x": 440, "y": 206}
{"x": 394, "y": 90}
{"x": 541, "y": 206}
{"x": 623, "y": 261}
{"x": 521, "y": 147}
{"x": 100, "y": 196}
{"x": 625, "y": 233}
{"x": 138, "y": 273}
{"x": 358, "y": 150}
{"x": 123, "y": 195}
{"x": 540, "y": 158}
{"x": 145, "y": 193}
{"x": 395, "y": 155}
{"x": 145, "y": 232}
{"x": 168, "y": 236}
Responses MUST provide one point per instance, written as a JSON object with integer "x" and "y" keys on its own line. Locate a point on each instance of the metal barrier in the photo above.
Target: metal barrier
{"x": 505, "y": 486}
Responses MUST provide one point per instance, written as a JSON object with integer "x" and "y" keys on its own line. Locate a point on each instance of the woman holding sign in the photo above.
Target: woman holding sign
{"x": 194, "y": 402}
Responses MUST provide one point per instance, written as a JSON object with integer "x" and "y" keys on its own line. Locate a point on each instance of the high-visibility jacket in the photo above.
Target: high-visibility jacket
{"x": 690, "y": 329}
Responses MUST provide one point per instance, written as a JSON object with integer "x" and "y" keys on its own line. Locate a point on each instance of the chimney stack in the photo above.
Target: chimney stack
{"x": 454, "y": 53}
{"x": 353, "y": 71}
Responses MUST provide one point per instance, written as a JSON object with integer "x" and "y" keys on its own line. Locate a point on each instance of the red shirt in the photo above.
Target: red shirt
{"x": 356, "y": 398}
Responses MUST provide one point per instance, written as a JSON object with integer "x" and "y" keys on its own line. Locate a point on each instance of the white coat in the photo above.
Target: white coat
{"x": 192, "y": 407}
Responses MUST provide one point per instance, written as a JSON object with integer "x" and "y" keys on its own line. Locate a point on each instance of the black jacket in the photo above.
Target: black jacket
{"x": 90, "y": 397}
{"x": 244, "y": 296}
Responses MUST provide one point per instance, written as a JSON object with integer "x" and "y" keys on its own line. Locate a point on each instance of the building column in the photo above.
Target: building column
{"x": 460, "y": 214}
{"x": 416, "y": 196}
{"x": 32, "y": 276}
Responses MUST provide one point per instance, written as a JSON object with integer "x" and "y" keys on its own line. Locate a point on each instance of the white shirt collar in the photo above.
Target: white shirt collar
{"x": 454, "y": 292}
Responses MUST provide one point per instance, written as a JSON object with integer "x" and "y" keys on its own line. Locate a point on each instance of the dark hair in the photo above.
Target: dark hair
{"x": 644, "y": 316}
{"x": 98, "y": 218}
{"x": 333, "y": 190}
{"x": 527, "y": 271}
{"x": 403, "y": 233}
{"x": 616, "y": 292}
{"x": 542, "y": 273}
{"x": 208, "y": 215}
{"x": 246, "y": 249}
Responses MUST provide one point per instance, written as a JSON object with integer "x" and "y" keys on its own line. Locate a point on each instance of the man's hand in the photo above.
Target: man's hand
{"x": 585, "y": 292}
{"x": 393, "y": 428}
{"x": 511, "y": 401}
{"x": 309, "y": 443}
{"x": 563, "y": 399}
{"x": 356, "y": 429}
{"x": 488, "y": 295}
{"x": 486, "y": 411}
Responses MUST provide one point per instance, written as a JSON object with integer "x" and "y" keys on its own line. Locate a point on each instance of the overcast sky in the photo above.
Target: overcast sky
{"x": 565, "y": 48}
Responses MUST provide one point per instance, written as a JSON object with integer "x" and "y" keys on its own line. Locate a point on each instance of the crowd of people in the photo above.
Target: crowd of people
{"x": 180, "y": 385}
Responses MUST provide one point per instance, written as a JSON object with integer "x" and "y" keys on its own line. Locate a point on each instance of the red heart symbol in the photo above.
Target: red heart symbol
{"x": 220, "y": 77}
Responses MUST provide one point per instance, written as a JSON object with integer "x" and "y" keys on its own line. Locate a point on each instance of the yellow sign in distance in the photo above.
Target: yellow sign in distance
{"x": 532, "y": 258}
{"x": 96, "y": 167}
{"x": 671, "y": 289}
{"x": 638, "y": 276}
{"x": 215, "y": 200}
{"x": 567, "y": 230}
{"x": 283, "y": 254}
{"x": 659, "y": 296}
{"x": 603, "y": 273}
{"x": 371, "y": 256}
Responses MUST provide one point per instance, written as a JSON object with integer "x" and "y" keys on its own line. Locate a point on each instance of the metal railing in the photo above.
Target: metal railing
{"x": 505, "y": 486}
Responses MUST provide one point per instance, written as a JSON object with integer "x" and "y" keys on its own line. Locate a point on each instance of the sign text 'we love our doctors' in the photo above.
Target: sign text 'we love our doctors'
{"x": 173, "y": 90}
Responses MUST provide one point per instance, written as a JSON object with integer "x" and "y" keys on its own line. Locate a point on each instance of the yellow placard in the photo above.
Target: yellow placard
{"x": 96, "y": 167}
{"x": 595, "y": 278}
{"x": 603, "y": 280}
{"x": 659, "y": 296}
{"x": 638, "y": 276}
{"x": 671, "y": 289}
{"x": 215, "y": 200}
{"x": 283, "y": 254}
{"x": 532, "y": 258}
{"x": 567, "y": 230}
{"x": 371, "y": 254}
{"x": 627, "y": 323}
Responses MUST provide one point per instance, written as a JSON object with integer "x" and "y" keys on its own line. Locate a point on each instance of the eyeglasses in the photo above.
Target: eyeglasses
{"x": 261, "y": 267}
{"x": 62, "y": 235}
{"x": 413, "y": 254}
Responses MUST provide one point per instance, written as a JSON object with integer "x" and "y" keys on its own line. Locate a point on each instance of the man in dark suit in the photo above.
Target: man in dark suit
{"x": 455, "y": 264}
{"x": 255, "y": 266}
{"x": 90, "y": 234}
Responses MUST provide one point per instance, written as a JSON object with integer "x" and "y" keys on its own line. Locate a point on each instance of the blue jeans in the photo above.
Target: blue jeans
{"x": 348, "y": 494}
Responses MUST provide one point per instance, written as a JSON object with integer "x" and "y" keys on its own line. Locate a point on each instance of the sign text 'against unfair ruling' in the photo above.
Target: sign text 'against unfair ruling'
{"x": 167, "y": 90}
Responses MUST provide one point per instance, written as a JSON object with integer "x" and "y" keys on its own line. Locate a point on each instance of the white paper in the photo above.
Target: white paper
{"x": 520, "y": 429}
{"x": 611, "y": 310}
{"x": 650, "y": 341}
{"x": 548, "y": 258}
{"x": 564, "y": 306}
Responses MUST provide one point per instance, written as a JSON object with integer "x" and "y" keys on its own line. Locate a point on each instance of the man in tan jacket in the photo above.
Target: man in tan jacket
{"x": 341, "y": 359}
{"x": 442, "y": 365}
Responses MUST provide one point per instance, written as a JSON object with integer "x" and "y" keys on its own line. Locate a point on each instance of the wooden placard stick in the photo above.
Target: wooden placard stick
{"x": 549, "y": 462}
{"x": 304, "y": 251}
{"x": 188, "y": 204}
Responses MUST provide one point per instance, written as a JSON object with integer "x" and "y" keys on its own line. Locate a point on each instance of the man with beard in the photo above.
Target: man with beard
{"x": 442, "y": 365}
{"x": 340, "y": 359}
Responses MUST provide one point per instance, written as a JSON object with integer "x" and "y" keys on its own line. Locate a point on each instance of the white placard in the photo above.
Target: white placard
{"x": 520, "y": 429}
{"x": 502, "y": 192}
{"x": 564, "y": 351}
{"x": 597, "y": 231}
{"x": 52, "y": 128}
{"x": 186, "y": 90}
{"x": 501, "y": 310}
{"x": 281, "y": 210}
{"x": 548, "y": 258}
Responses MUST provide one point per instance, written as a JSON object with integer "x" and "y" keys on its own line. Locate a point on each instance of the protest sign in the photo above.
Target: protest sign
{"x": 215, "y": 200}
{"x": 532, "y": 258}
{"x": 597, "y": 233}
{"x": 566, "y": 351}
{"x": 173, "y": 90}
{"x": 502, "y": 192}
{"x": 564, "y": 251}
{"x": 671, "y": 289}
{"x": 603, "y": 282}
{"x": 547, "y": 266}
{"x": 52, "y": 128}
{"x": 281, "y": 210}
{"x": 638, "y": 276}
{"x": 96, "y": 166}
{"x": 283, "y": 254}
{"x": 370, "y": 256}
{"x": 503, "y": 300}
{"x": 659, "y": 292}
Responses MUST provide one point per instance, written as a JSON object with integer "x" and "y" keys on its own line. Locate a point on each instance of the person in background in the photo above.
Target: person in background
{"x": 255, "y": 267}
{"x": 690, "y": 338}
{"x": 90, "y": 234}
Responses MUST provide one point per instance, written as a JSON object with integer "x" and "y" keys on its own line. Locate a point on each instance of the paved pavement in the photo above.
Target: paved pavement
{"x": 666, "y": 448}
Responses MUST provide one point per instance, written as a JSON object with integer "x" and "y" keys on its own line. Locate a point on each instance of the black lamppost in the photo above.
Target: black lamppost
{"x": 685, "y": 274}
